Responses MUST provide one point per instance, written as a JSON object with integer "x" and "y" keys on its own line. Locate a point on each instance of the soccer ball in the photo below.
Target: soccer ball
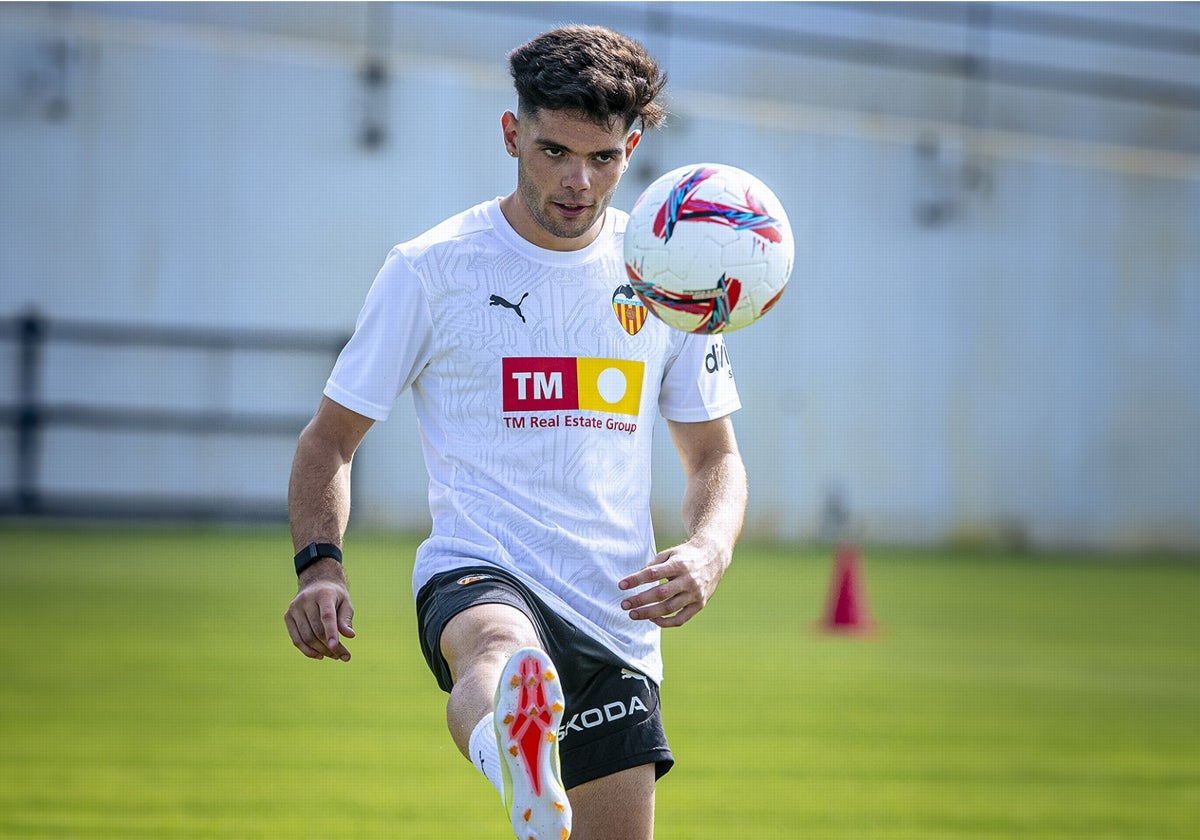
{"x": 708, "y": 248}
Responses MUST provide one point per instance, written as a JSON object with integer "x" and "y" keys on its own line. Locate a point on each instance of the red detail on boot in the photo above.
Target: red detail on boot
{"x": 532, "y": 720}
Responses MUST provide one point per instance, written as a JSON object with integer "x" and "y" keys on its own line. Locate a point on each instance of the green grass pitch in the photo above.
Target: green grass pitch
{"x": 149, "y": 691}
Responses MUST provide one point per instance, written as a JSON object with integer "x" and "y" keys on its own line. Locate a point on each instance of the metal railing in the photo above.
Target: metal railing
{"x": 29, "y": 415}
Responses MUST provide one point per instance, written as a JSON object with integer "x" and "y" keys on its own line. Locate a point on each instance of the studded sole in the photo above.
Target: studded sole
{"x": 529, "y": 709}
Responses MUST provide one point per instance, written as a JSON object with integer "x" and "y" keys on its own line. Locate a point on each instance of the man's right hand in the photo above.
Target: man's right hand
{"x": 321, "y": 613}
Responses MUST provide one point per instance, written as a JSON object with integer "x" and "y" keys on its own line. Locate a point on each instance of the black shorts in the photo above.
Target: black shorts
{"x": 613, "y": 719}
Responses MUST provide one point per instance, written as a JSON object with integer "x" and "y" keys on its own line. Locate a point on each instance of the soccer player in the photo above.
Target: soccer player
{"x": 536, "y": 378}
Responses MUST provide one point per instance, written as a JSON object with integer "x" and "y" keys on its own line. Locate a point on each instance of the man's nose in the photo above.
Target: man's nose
{"x": 577, "y": 177}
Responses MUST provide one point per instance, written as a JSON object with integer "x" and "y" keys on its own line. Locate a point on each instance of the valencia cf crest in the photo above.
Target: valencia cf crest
{"x": 629, "y": 309}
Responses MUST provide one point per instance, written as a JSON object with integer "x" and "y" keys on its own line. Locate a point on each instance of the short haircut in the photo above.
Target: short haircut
{"x": 600, "y": 73}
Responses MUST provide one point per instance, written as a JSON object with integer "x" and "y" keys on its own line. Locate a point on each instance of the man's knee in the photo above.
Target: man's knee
{"x": 485, "y": 633}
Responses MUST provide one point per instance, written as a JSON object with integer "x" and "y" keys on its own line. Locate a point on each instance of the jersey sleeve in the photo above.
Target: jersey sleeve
{"x": 392, "y": 342}
{"x": 698, "y": 382}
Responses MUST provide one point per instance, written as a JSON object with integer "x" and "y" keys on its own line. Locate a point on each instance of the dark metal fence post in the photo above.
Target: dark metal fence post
{"x": 31, "y": 413}
{"x": 31, "y": 329}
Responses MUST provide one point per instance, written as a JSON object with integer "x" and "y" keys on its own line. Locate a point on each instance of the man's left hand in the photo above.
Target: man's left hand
{"x": 687, "y": 575}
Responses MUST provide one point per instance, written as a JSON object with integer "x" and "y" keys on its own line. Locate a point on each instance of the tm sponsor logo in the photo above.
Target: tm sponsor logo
{"x": 566, "y": 385}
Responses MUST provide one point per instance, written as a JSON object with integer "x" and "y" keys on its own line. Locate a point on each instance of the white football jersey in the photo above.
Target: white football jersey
{"x": 536, "y": 376}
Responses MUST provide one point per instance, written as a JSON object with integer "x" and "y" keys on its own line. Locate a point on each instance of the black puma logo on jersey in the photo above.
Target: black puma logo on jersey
{"x": 496, "y": 300}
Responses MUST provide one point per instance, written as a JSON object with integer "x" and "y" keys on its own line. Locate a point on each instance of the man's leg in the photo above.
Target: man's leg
{"x": 500, "y": 671}
{"x": 616, "y": 807}
{"x": 477, "y": 643}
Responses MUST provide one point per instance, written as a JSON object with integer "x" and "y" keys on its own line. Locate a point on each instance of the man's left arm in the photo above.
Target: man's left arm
{"x": 714, "y": 506}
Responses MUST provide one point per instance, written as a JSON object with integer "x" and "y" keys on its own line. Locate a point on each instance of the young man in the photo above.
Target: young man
{"x": 536, "y": 378}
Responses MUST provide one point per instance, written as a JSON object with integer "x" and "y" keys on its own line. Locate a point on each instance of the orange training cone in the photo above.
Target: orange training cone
{"x": 847, "y": 610}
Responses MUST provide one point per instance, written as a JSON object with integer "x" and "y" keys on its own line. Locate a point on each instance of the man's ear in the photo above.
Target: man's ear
{"x": 509, "y": 127}
{"x": 631, "y": 143}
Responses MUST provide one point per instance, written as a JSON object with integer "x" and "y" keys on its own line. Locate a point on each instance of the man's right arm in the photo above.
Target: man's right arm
{"x": 319, "y": 510}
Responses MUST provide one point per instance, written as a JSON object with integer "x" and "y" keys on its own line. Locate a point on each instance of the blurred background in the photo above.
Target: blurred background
{"x": 986, "y": 371}
{"x": 992, "y": 335}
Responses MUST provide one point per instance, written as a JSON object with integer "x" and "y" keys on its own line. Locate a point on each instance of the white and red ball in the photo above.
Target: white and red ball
{"x": 708, "y": 248}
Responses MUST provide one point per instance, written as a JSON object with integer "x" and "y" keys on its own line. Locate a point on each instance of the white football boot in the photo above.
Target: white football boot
{"x": 529, "y": 707}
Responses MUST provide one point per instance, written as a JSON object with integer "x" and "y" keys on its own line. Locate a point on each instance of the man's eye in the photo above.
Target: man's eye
{"x": 553, "y": 152}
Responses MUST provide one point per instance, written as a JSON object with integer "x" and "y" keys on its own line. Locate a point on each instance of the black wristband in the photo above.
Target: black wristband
{"x": 313, "y": 552}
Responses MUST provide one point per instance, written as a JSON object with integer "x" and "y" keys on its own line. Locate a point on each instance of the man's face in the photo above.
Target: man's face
{"x": 568, "y": 168}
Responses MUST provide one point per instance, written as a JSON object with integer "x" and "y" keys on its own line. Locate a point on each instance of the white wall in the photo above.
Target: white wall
{"x": 1024, "y": 369}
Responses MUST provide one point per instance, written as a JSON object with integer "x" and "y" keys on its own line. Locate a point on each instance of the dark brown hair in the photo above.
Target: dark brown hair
{"x": 590, "y": 69}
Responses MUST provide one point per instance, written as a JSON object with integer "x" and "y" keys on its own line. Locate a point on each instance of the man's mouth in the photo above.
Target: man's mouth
{"x": 571, "y": 210}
